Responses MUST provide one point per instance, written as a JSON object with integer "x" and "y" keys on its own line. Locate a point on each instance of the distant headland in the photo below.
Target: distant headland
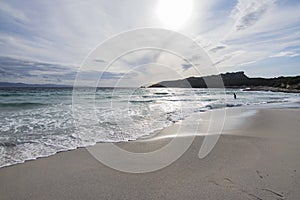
{"x": 236, "y": 80}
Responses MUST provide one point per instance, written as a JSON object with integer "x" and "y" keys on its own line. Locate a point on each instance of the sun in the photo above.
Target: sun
{"x": 174, "y": 13}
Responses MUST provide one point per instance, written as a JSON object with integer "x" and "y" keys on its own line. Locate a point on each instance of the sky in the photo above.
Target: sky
{"x": 134, "y": 42}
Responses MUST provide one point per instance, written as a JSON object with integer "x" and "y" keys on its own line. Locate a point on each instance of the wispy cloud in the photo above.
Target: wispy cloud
{"x": 259, "y": 30}
{"x": 247, "y": 13}
{"x": 217, "y": 48}
{"x": 285, "y": 54}
{"x": 35, "y": 72}
{"x": 10, "y": 12}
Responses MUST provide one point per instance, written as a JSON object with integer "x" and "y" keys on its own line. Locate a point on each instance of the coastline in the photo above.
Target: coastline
{"x": 271, "y": 89}
{"x": 255, "y": 158}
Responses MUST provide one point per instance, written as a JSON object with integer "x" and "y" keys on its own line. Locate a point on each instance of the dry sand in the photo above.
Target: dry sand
{"x": 257, "y": 157}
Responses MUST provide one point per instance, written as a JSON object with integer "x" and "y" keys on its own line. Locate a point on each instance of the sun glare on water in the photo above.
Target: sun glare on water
{"x": 174, "y": 13}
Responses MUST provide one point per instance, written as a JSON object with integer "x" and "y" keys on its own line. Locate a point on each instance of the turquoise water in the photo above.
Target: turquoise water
{"x": 38, "y": 122}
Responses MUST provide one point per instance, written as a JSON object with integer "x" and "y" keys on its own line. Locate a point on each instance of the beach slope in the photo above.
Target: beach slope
{"x": 256, "y": 159}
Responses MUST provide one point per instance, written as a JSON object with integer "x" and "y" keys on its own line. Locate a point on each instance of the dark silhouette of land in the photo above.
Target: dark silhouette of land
{"x": 236, "y": 80}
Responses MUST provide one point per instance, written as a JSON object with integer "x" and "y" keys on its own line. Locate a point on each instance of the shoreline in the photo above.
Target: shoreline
{"x": 271, "y": 89}
{"x": 165, "y": 132}
{"x": 205, "y": 113}
{"x": 253, "y": 160}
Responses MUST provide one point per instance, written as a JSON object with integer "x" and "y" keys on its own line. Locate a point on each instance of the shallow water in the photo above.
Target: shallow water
{"x": 38, "y": 122}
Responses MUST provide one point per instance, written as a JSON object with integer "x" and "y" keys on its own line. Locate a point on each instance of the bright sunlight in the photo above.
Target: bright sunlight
{"x": 174, "y": 13}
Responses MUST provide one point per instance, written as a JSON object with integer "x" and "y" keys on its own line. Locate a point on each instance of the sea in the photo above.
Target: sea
{"x": 39, "y": 122}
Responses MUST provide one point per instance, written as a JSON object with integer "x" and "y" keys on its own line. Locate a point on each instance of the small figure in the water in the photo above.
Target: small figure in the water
{"x": 234, "y": 95}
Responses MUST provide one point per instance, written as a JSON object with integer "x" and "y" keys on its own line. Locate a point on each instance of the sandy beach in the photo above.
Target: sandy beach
{"x": 256, "y": 157}
{"x": 150, "y": 100}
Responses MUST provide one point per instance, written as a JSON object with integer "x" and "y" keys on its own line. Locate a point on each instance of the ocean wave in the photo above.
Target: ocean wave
{"x": 225, "y": 105}
{"x": 8, "y": 144}
{"x": 21, "y": 104}
{"x": 161, "y": 93}
{"x": 141, "y": 101}
{"x": 31, "y": 133}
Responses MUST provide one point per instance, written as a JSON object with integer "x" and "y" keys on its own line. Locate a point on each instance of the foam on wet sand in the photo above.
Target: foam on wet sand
{"x": 255, "y": 158}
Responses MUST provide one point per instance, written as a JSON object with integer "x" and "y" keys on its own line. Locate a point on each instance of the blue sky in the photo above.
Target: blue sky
{"x": 47, "y": 41}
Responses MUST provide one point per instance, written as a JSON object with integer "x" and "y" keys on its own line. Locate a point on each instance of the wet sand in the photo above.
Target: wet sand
{"x": 256, "y": 157}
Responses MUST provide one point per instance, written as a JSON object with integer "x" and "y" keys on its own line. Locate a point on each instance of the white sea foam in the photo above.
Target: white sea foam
{"x": 38, "y": 123}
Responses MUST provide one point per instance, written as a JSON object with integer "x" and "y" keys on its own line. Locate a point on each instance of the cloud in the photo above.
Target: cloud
{"x": 186, "y": 66}
{"x": 217, "y": 48}
{"x": 25, "y": 68}
{"x": 285, "y": 54}
{"x": 99, "y": 60}
{"x": 253, "y": 32}
{"x": 222, "y": 60}
{"x": 247, "y": 13}
{"x": 31, "y": 71}
{"x": 247, "y": 63}
{"x": 13, "y": 13}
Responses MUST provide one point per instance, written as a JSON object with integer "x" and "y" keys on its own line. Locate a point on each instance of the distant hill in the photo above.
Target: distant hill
{"x": 20, "y": 85}
{"x": 236, "y": 80}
